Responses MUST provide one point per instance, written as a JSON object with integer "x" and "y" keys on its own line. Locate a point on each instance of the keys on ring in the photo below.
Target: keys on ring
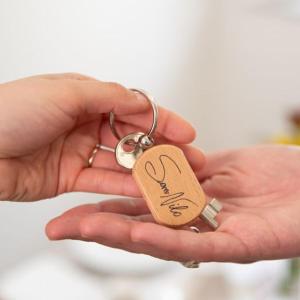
{"x": 165, "y": 178}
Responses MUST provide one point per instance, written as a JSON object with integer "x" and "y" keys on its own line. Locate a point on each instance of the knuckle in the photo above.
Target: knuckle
{"x": 74, "y": 76}
{"x": 117, "y": 88}
{"x": 86, "y": 229}
{"x": 69, "y": 90}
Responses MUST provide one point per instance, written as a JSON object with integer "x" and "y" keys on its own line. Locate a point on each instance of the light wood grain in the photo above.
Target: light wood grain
{"x": 169, "y": 185}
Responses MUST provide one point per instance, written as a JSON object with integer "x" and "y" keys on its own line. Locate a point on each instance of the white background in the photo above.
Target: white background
{"x": 231, "y": 67}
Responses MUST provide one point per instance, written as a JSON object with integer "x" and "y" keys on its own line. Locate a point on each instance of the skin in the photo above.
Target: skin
{"x": 50, "y": 124}
{"x": 260, "y": 191}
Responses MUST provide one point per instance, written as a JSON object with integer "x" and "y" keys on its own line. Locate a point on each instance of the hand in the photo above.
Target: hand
{"x": 259, "y": 188}
{"x": 49, "y": 126}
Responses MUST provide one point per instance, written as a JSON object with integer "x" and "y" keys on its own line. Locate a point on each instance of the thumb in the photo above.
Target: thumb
{"x": 102, "y": 97}
{"x": 218, "y": 177}
{"x": 221, "y": 186}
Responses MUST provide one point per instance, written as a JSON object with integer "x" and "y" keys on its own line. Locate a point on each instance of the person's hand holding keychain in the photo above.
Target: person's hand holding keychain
{"x": 50, "y": 125}
{"x": 259, "y": 189}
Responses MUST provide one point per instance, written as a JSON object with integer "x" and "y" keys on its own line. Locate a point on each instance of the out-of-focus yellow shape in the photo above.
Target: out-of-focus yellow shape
{"x": 285, "y": 139}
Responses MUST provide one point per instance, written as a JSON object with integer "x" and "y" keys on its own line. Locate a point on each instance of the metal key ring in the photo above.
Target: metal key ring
{"x": 150, "y": 99}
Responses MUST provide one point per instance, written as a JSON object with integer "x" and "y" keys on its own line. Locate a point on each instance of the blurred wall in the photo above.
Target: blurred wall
{"x": 231, "y": 67}
{"x": 242, "y": 72}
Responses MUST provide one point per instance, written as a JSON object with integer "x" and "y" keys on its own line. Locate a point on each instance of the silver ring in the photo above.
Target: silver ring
{"x": 154, "y": 114}
{"x": 93, "y": 155}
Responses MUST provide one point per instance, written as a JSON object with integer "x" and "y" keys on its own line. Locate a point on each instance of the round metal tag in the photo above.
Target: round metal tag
{"x": 127, "y": 159}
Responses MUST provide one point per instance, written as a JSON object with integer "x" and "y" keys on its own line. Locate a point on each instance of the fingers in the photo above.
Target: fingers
{"x": 215, "y": 164}
{"x": 126, "y": 206}
{"x": 58, "y": 76}
{"x": 106, "y": 159}
{"x": 220, "y": 177}
{"x": 79, "y": 93}
{"x": 106, "y": 137}
{"x": 221, "y": 186}
{"x": 126, "y": 224}
{"x": 67, "y": 225}
{"x": 123, "y": 232}
{"x": 170, "y": 125}
{"x": 103, "y": 97}
{"x": 131, "y": 207}
{"x": 184, "y": 245}
{"x": 118, "y": 235}
{"x": 118, "y": 231}
{"x": 96, "y": 180}
{"x": 194, "y": 156}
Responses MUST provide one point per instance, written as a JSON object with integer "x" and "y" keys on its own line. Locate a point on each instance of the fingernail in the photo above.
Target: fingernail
{"x": 142, "y": 99}
{"x": 52, "y": 233}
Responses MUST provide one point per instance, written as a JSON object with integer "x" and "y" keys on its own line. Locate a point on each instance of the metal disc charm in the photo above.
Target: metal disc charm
{"x": 127, "y": 159}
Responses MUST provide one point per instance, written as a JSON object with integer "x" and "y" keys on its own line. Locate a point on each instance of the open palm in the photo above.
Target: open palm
{"x": 260, "y": 191}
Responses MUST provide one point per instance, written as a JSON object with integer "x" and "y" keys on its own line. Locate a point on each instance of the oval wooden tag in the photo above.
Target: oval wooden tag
{"x": 169, "y": 185}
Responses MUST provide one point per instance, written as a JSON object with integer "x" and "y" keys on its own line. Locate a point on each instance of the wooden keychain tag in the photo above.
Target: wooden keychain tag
{"x": 169, "y": 185}
{"x": 165, "y": 178}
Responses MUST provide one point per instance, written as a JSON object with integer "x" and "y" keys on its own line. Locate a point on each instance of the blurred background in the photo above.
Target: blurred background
{"x": 231, "y": 67}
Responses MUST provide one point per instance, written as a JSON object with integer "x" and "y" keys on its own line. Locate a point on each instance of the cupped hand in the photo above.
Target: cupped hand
{"x": 50, "y": 125}
{"x": 260, "y": 191}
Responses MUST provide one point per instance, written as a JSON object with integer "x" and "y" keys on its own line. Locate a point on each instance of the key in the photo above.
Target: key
{"x": 167, "y": 182}
{"x": 171, "y": 189}
{"x": 164, "y": 176}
